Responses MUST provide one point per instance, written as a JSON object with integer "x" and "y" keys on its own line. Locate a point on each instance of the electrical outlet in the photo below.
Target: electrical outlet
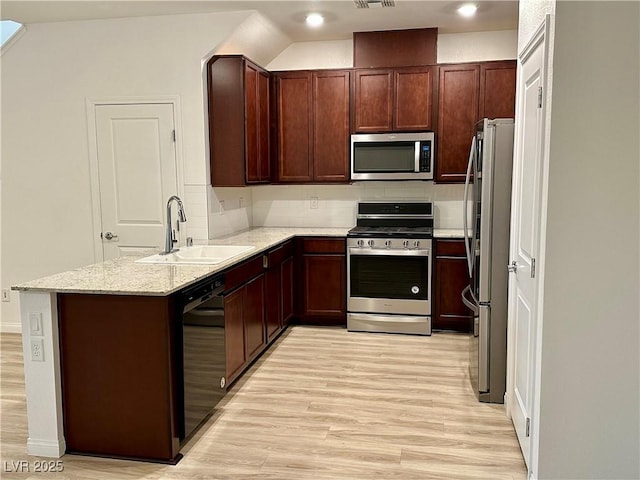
{"x": 221, "y": 205}
{"x": 314, "y": 203}
{"x": 35, "y": 323}
{"x": 37, "y": 350}
{"x": 241, "y": 202}
{"x": 6, "y": 295}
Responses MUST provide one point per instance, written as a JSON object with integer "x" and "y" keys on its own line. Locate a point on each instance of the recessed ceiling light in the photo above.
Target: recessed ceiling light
{"x": 468, "y": 10}
{"x": 315, "y": 19}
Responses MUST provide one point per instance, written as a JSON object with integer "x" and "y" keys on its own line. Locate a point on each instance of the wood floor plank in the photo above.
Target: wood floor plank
{"x": 321, "y": 404}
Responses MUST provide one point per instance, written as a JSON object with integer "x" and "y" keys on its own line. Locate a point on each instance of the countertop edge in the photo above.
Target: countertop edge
{"x": 199, "y": 271}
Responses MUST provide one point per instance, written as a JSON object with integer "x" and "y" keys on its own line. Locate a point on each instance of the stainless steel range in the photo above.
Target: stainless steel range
{"x": 389, "y": 262}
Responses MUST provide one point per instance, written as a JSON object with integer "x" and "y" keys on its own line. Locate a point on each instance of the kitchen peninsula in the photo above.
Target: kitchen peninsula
{"x": 114, "y": 324}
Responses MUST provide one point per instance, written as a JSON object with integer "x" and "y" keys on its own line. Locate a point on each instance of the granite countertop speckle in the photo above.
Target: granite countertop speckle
{"x": 122, "y": 276}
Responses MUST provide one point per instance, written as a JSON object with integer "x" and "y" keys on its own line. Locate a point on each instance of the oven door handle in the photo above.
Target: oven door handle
{"x": 390, "y": 253}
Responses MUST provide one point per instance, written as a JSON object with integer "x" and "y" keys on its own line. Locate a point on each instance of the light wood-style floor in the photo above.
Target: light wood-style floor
{"x": 323, "y": 403}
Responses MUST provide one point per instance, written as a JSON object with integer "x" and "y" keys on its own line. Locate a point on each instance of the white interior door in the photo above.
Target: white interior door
{"x": 137, "y": 173}
{"x": 525, "y": 241}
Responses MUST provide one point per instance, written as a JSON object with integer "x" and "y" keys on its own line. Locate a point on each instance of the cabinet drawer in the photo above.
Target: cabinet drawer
{"x": 323, "y": 245}
{"x": 453, "y": 248}
{"x": 278, "y": 254}
{"x": 242, "y": 273}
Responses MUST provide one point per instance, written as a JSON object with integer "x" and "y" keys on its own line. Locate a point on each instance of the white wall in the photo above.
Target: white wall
{"x": 477, "y": 46}
{"x": 589, "y": 395}
{"x": 314, "y": 55}
{"x": 290, "y": 205}
{"x": 452, "y": 48}
{"x": 47, "y": 75}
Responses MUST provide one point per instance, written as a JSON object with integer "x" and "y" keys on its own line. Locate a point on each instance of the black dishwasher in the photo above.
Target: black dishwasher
{"x": 203, "y": 353}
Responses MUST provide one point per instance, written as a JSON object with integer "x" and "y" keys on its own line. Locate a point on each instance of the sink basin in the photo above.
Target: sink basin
{"x": 199, "y": 255}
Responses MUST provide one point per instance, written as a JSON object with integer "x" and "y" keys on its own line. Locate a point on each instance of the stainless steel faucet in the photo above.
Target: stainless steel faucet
{"x": 169, "y": 235}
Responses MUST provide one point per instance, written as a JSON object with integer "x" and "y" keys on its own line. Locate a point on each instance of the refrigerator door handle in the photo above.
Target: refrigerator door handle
{"x": 465, "y": 201}
{"x": 471, "y": 303}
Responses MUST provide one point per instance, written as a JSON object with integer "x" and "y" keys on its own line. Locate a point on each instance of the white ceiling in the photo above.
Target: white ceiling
{"x": 342, "y": 17}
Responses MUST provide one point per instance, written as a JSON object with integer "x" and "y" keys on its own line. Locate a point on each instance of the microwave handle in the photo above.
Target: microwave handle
{"x": 416, "y": 149}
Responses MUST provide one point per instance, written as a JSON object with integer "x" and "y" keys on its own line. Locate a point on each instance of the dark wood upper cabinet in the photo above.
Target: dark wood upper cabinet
{"x": 457, "y": 114}
{"x": 373, "y": 101}
{"x": 395, "y": 48}
{"x": 238, "y": 105}
{"x": 313, "y": 126}
{"x": 497, "y": 90}
{"x": 331, "y": 126}
{"x": 468, "y": 93}
{"x": 294, "y": 103}
{"x": 394, "y": 100}
{"x": 413, "y": 106}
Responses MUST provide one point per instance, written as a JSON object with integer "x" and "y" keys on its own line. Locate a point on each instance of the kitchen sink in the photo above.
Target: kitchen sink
{"x": 199, "y": 255}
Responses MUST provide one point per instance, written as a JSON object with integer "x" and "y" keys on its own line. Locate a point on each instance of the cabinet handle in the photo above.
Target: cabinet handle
{"x": 448, "y": 257}
{"x": 265, "y": 261}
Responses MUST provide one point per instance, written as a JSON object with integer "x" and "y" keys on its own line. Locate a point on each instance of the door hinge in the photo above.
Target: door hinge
{"x": 527, "y": 427}
{"x": 173, "y": 135}
{"x": 539, "y": 97}
{"x": 533, "y": 268}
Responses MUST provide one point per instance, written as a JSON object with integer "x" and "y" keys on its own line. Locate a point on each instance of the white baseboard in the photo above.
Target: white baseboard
{"x": 46, "y": 448}
{"x": 10, "y": 328}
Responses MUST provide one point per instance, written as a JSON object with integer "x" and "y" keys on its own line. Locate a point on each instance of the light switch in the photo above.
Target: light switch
{"x": 35, "y": 323}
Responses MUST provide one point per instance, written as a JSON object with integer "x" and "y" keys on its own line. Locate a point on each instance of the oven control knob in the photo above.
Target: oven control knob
{"x": 387, "y": 243}
{"x": 371, "y": 243}
{"x": 416, "y": 244}
{"x": 405, "y": 243}
{"x": 361, "y": 243}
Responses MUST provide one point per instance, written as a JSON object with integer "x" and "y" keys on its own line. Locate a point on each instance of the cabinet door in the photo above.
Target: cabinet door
{"x": 331, "y": 126}
{"x": 497, "y": 90}
{"x": 254, "y": 328}
{"x": 251, "y": 118}
{"x": 234, "y": 332}
{"x": 413, "y": 99}
{"x": 457, "y": 115}
{"x": 324, "y": 286}
{"x": 286, "y": 272}
{"x": 373, "y": 92}
{"x": 273, "y": 303}
{"x": 264, "y": 161}
{"x": 451, "y": 278}
{"x": 294, "y": 127}
{"x": 226, "y": 99}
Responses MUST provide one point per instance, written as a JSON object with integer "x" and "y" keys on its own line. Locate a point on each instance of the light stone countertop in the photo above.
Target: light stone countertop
{"x": 448, "y": 233}
{"x": 122, "y": 276}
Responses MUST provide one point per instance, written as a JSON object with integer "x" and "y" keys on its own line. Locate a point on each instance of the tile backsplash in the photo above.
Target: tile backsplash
{"x": 231, "y": 209}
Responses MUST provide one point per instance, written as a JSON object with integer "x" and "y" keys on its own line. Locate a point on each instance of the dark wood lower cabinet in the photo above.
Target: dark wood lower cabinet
{"x": 234, "y": 333}
{"x": 323, "y": 285}
{"x": 450, "y": 278}
{"x": 254, "y": 331}
{"x": 119, "y": 376}
{"x": 279, "y": 290}
{"x": 244, "y": 320}
{"x": 287, "y": 269}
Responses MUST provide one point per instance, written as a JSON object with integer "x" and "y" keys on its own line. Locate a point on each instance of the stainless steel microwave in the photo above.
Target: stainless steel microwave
{"x": 392, "y": 156}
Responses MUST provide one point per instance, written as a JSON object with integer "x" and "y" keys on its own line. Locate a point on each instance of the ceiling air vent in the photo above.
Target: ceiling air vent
{"x": 374, "y": 3}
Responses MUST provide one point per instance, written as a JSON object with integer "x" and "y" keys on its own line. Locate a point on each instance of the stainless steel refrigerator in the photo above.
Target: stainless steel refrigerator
{"x": 487, "y": 197}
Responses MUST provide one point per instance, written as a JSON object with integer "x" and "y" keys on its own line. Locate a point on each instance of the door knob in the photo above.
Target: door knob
{"x": 512, "y": 267}
{"x": 110, "y": 236}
